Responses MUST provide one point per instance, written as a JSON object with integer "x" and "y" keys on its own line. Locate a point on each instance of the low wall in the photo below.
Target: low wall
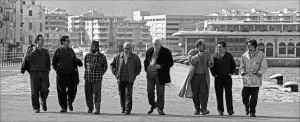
{"x": 282, "y": 62}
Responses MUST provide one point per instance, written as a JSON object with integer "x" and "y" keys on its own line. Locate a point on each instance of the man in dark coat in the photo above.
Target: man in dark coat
{"x": 157, "y": 64}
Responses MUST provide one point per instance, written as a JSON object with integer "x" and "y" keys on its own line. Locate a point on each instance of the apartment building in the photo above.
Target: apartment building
{"x": 34, "y": 21}
{"x": 163, "y": 26}
{"x": 113, "y": 31}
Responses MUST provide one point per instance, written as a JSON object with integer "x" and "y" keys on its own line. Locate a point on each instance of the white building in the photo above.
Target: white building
{"x": 34, "y": 21}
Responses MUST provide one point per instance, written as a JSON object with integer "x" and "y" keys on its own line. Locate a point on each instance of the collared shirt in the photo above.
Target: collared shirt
{"x": 95, "y": 67}
{"x": 151, "y": 68}
{"x": 39, "y": 60}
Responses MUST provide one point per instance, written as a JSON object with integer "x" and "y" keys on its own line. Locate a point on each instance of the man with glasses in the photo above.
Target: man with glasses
{"x": 63, "y": 63}
{"x": 253, "y": 66}
{"x": 39, "y": 61}
{"x": 157, "y": 64}
{"x": 200, "y": 60}
{"x": 126, "y": 66}
{"x": 224, "y": 67}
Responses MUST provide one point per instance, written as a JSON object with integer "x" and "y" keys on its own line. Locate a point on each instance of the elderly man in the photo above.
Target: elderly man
{"x": 126, "y": 66}
{"x": 253, "y": 66}
{"x": 157, "y": 64}
{"x": 200, "y": 59}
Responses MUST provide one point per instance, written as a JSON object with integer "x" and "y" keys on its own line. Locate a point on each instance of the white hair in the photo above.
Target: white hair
{"x": 157, "y": 40}
{"x": 126, "y": 43}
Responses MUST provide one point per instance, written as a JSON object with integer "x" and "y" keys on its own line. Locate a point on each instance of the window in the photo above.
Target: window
{"x": 30, "y": 12}
{"x": 30, "y": 25}
{"x": 41, "y": 27}
{"x": 24, "y": 2}
{"x": 21, "y": 11}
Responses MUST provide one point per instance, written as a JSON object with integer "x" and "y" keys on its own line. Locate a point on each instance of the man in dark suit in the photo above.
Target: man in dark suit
{"x": 157, "y": 64}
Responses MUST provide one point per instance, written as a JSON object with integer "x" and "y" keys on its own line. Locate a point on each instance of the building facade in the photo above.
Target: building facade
{"x": 112, "y": 32}
{"x": 276, "y": 38}
{"x": 34, "y": 21}
{"x": 163, "y": 26}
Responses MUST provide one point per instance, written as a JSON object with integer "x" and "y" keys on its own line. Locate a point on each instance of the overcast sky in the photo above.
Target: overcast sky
{"x": 174, "y": 7}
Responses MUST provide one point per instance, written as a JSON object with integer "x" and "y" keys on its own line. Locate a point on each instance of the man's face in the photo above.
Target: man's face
{"x": 250, "y": 47}
{"x": 40, "y": 41}
{"x": 127, "y": 48}
{"x": 66, "y": 43}
{"x": 156, "y": 45}
{"x": 202, "y": 47}
{"x": 220, "y": 49}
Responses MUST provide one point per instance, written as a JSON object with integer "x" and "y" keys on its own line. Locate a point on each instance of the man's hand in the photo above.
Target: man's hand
{"x": 258, "y": 74}
{"x": 243, "y": 73}
{"x": 157, "y": 66}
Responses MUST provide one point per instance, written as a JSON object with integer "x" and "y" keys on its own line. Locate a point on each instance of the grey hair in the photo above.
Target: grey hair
{"x": 125, "y": 43}
{"x": 157, "y": 39}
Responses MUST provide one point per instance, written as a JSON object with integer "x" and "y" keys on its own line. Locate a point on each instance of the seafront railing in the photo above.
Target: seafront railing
{"x": 10, "y": 58}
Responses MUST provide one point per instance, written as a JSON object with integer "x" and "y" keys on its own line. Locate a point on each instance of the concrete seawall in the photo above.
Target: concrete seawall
{"x": 282, "y": 62}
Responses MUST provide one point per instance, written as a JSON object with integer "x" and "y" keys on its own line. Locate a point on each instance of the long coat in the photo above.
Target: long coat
{"x": 164, "y": 59}
{"x": 186, "y": 90}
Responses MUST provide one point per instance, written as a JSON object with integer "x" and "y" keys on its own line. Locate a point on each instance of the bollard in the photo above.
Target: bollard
{"x": 236, "y": 72}
{"x": 294, "y": 88}
{"x": 279, "y": 80}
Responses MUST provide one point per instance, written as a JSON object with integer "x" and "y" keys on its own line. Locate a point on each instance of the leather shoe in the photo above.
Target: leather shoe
{"x": 45, "y": 108}
{"x": 221, "y": 113}
{"x": 160, "y": 112}
{"x": 128, "y": 112}
{"x": 197, "y": 112}
{"x": 252, "y": 115}
{"x": 90, "y": 110}
{"x": 151, "y": 109}
{"x": 97, "y": 112}
{"x": 247, "y": 112}
{"x": 70, "y": 107}
{"x": 63, "y": 110}
{"x": 37, "y": 111}
{"x": 204, "y": 112}
{"x": 123, "y": 111}
{"x": 231, "y": 112}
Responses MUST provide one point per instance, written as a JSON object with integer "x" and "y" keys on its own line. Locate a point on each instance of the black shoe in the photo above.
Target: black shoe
{"x": 123, "y": 111}
{"x": 204, "y": 112}
{"x": 231, "y": 112}
{"x": 45, "y": 108}
{"x": 63, "y": 110}
{"x": 97, "y": 112}
{"x": 151, "y": 109}
{"x": 247, "y": 112}
{"x": 70, "y": 107}
{"x": 90, "y": 110}
{"x": 221, "y": 113}
{"x": 128, "y": 112}
{"x": 252, "y": 115}
{"x": 160, "y": 112}
{"x": 37, "y": 111}
{"x": 197, "y": 112}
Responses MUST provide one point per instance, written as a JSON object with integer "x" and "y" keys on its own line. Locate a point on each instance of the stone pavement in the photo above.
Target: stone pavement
{"x": 18, "y": 108}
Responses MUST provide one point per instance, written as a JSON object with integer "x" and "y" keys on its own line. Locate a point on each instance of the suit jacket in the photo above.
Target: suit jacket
{"x": 134, "y": 66}
{"x": 164, "y": 59}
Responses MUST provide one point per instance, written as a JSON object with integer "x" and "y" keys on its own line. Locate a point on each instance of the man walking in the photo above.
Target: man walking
{"x": 200, "y": 59}
{"x": 39, "y": 61}
{"x": 157, "y": 64}
{"x": 126, "y": 66}
{"x": 95, "y": 65}
{"x": 66, "y": 80}
{"x": 224, "y": 67}
{"x": 253, "y": 66}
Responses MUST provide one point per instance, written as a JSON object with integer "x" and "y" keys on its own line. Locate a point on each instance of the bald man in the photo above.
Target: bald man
{"x": 157, "y": 64}
{"x": 126, "y": 66}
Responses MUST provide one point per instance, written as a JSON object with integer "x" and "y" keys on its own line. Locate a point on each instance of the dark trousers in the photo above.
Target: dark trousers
{"x": 199, "y": 90}
{"x": 66, "y": 88}
{"x": 246, "y": 93}
{"x": 92, "y": 92}
{"x": 39, "y": 83}
{"x": 224, "y": 82}
{"x": 152, "y": 81}
{"x": 125, "y": 92}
